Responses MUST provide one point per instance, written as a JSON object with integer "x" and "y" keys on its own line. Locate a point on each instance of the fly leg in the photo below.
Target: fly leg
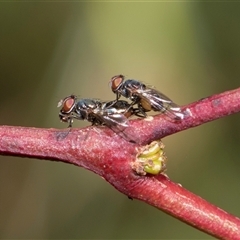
{"x": 139, "y": 112}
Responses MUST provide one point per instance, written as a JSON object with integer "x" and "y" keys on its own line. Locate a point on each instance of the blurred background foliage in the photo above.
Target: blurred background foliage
{"x": 188, "y": 50}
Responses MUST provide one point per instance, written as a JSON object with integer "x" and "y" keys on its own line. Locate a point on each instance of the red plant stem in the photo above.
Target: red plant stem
{"x": 109, "y": 155}
{"x": 186, "y": 206}
{"x": 197, "y": 113}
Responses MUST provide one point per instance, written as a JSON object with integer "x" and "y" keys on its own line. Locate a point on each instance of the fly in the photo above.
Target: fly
{"x": 146, "y": 98}
{"x": 111, "y": 114}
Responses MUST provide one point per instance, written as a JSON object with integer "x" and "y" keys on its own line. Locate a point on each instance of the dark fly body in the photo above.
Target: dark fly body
{"x": 113, "y": 114}
{"x": 146, "y": 98}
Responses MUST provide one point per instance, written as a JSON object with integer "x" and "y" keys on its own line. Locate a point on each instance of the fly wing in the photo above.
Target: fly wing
{"x": 117, "y": 122}
{"x": 161, "y": 103}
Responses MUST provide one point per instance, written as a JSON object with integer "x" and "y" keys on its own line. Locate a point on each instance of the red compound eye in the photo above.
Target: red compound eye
{"x": 116, "y": 82}
{"x": 68, "y": 104}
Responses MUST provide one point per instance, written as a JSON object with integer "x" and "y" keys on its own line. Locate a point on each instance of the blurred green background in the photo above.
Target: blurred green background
{"x": 49, "y": 50}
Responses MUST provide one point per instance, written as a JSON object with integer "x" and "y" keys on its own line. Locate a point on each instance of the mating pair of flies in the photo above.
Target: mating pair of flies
{"x": 114, "y": 114}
